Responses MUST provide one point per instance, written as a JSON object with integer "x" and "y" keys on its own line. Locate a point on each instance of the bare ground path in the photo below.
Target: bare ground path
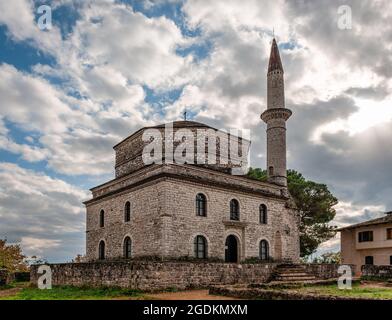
{"x": 187, "y": 295}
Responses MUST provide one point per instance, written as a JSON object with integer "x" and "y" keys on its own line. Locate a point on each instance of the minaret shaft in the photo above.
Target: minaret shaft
{"x": 275, "y": 117}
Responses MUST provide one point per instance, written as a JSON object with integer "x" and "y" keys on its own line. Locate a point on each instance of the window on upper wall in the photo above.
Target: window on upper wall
{"x": 200, "y": 247}
{"x": 365, "y": 236}
{"x": 102, "y": 219}
{"x": 201, "y": 205}
{"x": 263, "y": 214}
{"x": 234, "y": 210}
{"x": 369, "y": 260}
{"x": 389, "y": 234}
{"x": 127, "y": 211}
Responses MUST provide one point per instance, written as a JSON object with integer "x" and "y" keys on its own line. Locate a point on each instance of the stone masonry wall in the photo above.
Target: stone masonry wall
{"x": 144, "y": 228}
{"x": 164, "y": 222}
{"x": 152, "y": 276}
{"x": 187, "y": 172}
{"x": 377, "y": 271}
{"x": 129, "y": 152}
{"x": 216, "y": 226}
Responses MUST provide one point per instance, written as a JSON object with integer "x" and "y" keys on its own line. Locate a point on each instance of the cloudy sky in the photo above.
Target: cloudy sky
{"x": 106, "y": 68}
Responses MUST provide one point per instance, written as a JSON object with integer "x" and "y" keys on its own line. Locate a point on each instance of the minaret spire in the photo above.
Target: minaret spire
{"x": 274, "y": 62}
{"x": 275, "y": 117}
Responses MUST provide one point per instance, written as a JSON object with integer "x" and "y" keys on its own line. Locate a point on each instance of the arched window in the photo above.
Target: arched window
{"x": 263, "y": 214}
{"x": 127, "y": 211}
{"x": 201, "y": 205}
{"x": 200, "y": 246}
{"x": 101, "y": 250}
{"x": 127, "y": 248}
{"x": 264, "y": 250}
{"x": 102, "y": 219}
{"x": 234, "y": 210}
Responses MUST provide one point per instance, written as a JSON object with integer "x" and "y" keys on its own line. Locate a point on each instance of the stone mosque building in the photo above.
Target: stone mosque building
{"x": 192, "y": 211}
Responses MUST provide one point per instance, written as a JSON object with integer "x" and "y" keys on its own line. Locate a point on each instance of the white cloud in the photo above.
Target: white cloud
{"x": 30, "y": 101}
{"x": 18, "y": 16}
{"x": 337, "y": 83}
{"x": 139, "y": 49}
{"x": 29, "y": 153}
{"x": 40, "y": 212}
{"x": 37, "y": 246}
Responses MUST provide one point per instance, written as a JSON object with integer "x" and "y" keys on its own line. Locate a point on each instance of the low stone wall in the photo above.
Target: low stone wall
{"x": 153, "y": 276}
{"x": 269, "y": 294}
{"x": 382, "y": 272}
{"x": 325, "y": 270}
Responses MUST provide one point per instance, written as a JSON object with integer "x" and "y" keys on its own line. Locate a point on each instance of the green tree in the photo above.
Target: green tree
{"x": 328, "y": 257}
{"x": 315, "y": 204}
{"x": 11, "y": 257}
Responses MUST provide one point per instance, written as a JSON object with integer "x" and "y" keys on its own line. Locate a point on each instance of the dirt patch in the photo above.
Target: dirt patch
{"x": 366, "y": 284}
{"x": 9, "y": 292}
{"x": 187, "y": 295}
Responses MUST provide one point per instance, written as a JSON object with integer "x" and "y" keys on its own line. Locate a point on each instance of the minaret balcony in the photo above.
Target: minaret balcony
{"x": 276, "y": 113}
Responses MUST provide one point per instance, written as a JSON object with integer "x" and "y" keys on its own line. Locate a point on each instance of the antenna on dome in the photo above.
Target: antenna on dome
{"x": 185, "y": 115}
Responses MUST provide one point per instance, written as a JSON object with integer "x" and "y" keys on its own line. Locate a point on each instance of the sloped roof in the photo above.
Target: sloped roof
{"x": 176, "y": 124}
{"x": 184, "y": 124}
{"x": 386, "y": 219}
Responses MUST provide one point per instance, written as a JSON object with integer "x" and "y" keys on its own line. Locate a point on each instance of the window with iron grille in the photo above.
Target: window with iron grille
{"x": 200, "y": 247}
{"x": 127, "y": 212}
{"x": 102, "y": 219}
{"x": 127, "y": 248}
{"x": 201, "y": 205}
{"x": 234, "y": 210}
{"x": 263, "y": 214}
{"x": 101, "y": 250}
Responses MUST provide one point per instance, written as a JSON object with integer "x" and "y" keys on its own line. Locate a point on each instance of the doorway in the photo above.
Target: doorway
{"x": 231, "y": 249}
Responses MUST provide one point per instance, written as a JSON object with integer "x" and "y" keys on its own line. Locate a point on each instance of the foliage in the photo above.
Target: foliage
{"x": 329, "y": 257}
{"x": 11, "y": 257}
{"x": 315, "y": 204}
{"x": 78, "y": 259}
{"x": 35, "y": 260}
{"x": 257, "y": 173}
{"x": 255, "y": 260}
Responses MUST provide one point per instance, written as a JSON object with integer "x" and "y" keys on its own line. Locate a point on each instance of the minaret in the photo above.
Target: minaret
{"x": 275, "y": 117}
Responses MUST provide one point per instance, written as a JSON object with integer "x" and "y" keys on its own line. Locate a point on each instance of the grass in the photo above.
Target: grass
{"x": 70, "y": 293}
{"x": 357, "y": 291}
{"x": 23, "y": 291}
